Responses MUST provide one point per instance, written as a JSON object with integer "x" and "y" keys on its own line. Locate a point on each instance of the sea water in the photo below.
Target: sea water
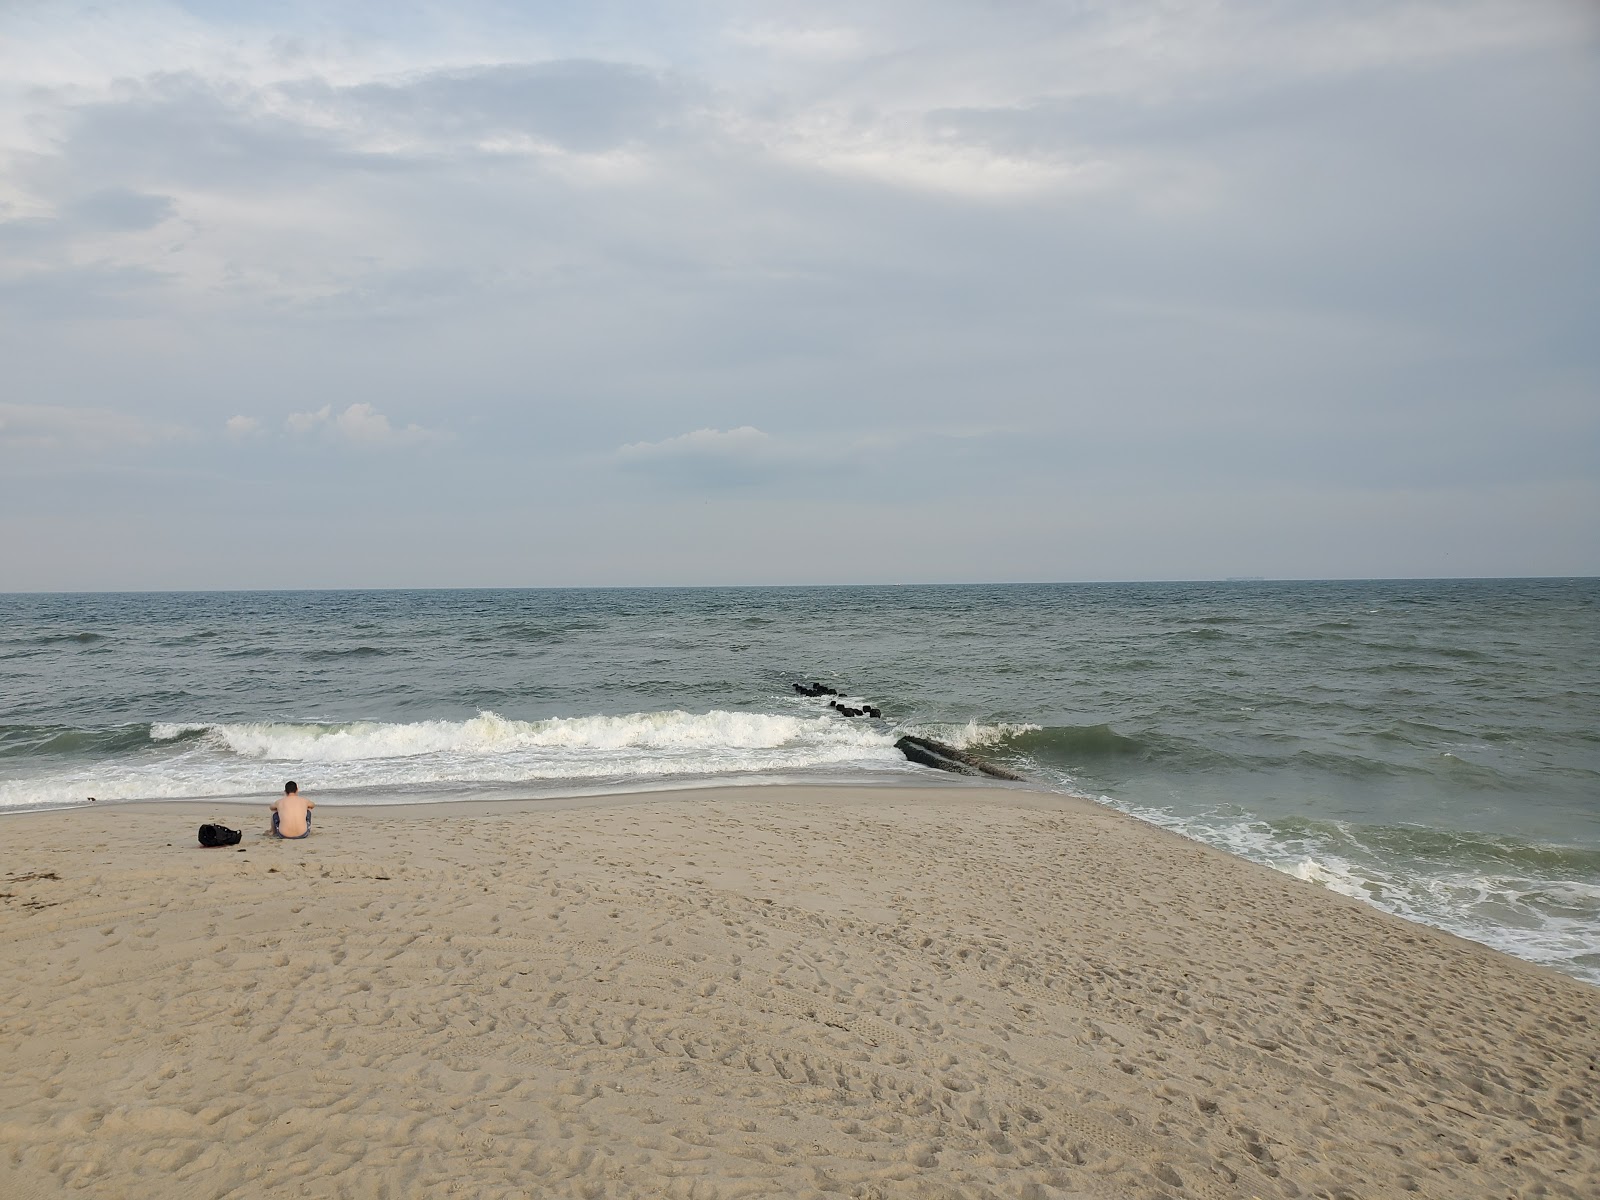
{"x": 1430, "y": 747}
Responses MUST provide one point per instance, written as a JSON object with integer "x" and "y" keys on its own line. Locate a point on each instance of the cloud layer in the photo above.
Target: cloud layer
{"x": 1142, "y": 278}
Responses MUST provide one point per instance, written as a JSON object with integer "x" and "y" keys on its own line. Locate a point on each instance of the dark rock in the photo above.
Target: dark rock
{"x": 814, "y": 689}
{"x": 822, "y": 689}
{"x": 929, "y": 753}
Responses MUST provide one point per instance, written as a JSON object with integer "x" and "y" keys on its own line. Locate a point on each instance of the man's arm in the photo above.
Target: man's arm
{"x": 273, "y": 806}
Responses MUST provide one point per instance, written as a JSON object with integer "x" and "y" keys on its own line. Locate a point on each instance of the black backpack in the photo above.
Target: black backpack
{"x": 219, "y": 835}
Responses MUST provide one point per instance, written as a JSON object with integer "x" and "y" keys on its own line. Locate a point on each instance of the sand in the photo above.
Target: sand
{"x": 753, "y": 992}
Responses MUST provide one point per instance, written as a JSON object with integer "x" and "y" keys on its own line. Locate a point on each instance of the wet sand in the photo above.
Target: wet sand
{"x": 941, "y": 992}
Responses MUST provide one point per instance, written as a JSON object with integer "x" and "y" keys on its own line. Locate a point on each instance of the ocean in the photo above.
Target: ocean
{"x": 1430, "y": 747}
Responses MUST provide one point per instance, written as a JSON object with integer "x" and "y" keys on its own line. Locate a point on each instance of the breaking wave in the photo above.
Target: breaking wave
{"x": 462, "y": 758}
{"x": 491, "y": 734}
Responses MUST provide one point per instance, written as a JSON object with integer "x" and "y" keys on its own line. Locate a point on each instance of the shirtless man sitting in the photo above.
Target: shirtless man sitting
{"x": 291, "y": 815}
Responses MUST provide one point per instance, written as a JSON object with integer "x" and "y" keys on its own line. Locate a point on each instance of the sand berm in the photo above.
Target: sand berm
{"x": 779, "y": 991}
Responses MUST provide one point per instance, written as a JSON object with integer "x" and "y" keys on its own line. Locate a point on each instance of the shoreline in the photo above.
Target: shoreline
{"x": 947, "y": 990}
{"x": 660, "y": 786}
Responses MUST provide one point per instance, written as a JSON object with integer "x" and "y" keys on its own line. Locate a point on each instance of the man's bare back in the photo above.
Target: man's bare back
{"x": 291, "y": 813}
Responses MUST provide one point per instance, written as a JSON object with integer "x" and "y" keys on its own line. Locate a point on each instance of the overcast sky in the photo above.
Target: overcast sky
{"x": 482, "y": 294}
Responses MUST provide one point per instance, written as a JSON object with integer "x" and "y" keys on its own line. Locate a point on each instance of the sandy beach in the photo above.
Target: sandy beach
{"x": 880, "y": 992}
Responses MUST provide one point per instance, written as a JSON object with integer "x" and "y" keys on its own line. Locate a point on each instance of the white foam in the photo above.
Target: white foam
{"x": 1551, "y": 921}
{"x": 1334, "y": 875}
{"x": 163, "y": 731}
{"x": 488, "y": 749}
{"x": 491, "y": 734}
{"x": 965, "y": 737}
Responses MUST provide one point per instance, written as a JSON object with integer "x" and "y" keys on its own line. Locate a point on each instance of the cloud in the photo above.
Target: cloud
{"x": 307, "y": 421}
{"x": 911, "y": 151}
{"x": 739, "y": 456}
{"x": 1246, "y": 241}
{"x": 242, "y": 426}
{"x": 744, "y": 443}
{"x": 360, "y": 425}
{"x": 365, "y": 425}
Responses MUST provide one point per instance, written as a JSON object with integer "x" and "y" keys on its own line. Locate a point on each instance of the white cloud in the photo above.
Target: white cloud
{"x": 360, "y": 424}
{"x": 367, "y": 426}
{"x": 742, "y": 444}
{"x": 901, "y": 153}
{"x": 307, "y": 421}
{"x": 242, "y": 426}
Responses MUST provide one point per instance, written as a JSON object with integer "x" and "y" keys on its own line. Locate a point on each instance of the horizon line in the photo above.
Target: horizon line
{"x": 682, "y": 587}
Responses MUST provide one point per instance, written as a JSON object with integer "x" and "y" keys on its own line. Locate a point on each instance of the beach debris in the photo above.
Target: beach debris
{"x": 929, "y": 753}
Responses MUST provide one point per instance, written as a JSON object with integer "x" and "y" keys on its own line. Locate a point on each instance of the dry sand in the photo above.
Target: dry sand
{"x": 753, "y": 992}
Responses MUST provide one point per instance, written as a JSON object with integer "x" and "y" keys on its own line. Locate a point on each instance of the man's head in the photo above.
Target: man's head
{"x": 290, "y": 788}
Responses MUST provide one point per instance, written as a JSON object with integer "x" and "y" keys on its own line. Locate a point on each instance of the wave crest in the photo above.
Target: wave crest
{"x": 489, "y": 733}
{"x": 972, "y": 734}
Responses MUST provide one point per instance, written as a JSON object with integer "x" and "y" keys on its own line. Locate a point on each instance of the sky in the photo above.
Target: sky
{"x": 487, "y": 294}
